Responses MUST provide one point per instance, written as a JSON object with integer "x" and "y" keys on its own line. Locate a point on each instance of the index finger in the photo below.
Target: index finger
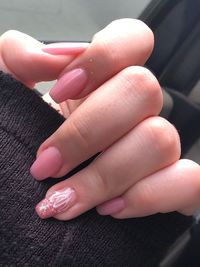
{"x": 122, "y": 43}
{"x": 29, "y": 61}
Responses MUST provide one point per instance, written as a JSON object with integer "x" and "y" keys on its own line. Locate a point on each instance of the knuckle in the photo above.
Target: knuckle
{"x": 100, "y": 182}
{"x": 142, "y": 31}
{"x": 135, "y": 28}
{"x": 110, "y": 41}
{"x": 164, "y": 138}
{"x": 143, "y": 85}
{"x": 144, "y": 35}
{"x": 79, "y": 132}
{"x": 106, "y": 51}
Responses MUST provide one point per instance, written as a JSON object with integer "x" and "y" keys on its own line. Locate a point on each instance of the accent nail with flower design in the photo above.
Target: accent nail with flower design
{"x": 58, "y": 202}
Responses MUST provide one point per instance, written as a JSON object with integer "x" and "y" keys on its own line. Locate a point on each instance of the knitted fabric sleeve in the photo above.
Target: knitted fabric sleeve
{"x": 89, "y": 240}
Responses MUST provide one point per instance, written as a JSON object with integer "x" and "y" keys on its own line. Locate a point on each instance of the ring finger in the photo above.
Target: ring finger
{"x": 174, "y": 188}
{"x": 150, "y": 146}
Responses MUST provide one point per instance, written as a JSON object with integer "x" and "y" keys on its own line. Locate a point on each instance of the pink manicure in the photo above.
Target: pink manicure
{"x": 47, "y": 164}
{"x": 58, "y": 202}
{"x": 111, "y": 207}
{"x": 65, "y": 48}
{"x": 69, "y": 85}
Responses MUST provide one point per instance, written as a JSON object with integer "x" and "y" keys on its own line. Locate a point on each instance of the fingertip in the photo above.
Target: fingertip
{"x": 111, "y": 207}
{"x": 23, "y": 58}
{"x": 47, "y": 164}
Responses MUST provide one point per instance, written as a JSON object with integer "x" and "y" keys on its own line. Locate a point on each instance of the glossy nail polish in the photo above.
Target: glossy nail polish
{"x": 69, "y": 85}
{"x": 65, "y": 48}
{"x": 60, "y": 201}
{"x": 48, "y": 163}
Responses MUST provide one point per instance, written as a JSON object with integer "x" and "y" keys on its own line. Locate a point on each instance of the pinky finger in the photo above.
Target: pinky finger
{"x": 171, "y": 189}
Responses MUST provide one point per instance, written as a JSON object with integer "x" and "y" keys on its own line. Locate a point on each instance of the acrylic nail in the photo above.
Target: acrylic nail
{"x": 58, "y": 202}
{"x": 65, "y": 48}
{"x": 47, "y": 164}
{"x": 111, "y": 207}
{"x": 69, "y": 85}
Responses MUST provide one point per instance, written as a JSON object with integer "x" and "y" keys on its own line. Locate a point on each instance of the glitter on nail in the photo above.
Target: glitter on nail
{"x": 59, "y": 201}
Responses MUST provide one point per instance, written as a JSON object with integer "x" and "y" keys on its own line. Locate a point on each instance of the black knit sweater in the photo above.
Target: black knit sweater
{"x": 89, "y": 240}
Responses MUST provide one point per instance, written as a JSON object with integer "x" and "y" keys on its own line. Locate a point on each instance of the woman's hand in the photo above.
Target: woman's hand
{"x": 112, "y": 104}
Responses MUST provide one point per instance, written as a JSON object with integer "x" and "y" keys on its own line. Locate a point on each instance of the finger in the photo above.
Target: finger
{"x": 26, "y": 59}
{"x": 106, "y": 115}
{"x": 189, "y": 211}
{"x": 152, "y": 145}
{"x": 121, "y": 44}
{"x": 170, "y": 189}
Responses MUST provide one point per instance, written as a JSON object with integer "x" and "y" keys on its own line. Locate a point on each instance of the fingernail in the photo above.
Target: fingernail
{"x": 58, "y": 202}
{"x": 65, "y": 48}
{"x": 111, "y": 207}
{"x": 69, "y": 85}
{"x": 47, "y": 164}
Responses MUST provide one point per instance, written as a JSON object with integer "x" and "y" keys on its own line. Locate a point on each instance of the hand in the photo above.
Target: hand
{"x": 114, "y": 109}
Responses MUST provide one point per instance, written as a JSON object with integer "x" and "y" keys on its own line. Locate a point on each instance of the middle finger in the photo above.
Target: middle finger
{"x": 106, "y": 115}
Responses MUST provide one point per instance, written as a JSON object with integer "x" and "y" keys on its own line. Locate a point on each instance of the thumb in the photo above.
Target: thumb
{"x": 23, "y": 57}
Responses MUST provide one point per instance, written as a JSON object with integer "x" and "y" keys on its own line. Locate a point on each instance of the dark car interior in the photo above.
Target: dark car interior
{"x": 176, "y": 63}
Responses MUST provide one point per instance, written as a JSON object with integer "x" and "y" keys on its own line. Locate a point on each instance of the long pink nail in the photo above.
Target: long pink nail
{"x": 58, "y": 202}
{"x": 47, "y": 164}
{"x": 111, "y": 207}
{"x": 69, "y": 85}
{"x": 65, "y": 48}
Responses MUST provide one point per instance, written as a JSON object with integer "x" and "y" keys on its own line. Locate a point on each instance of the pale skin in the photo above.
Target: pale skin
{"x": 139, "y": 171}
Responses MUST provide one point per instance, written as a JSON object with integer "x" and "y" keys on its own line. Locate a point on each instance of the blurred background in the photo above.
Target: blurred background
{"x": 64, "y": 19}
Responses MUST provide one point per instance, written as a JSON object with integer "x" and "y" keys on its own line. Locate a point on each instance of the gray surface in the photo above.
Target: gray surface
{"x": 64, "y": 19}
